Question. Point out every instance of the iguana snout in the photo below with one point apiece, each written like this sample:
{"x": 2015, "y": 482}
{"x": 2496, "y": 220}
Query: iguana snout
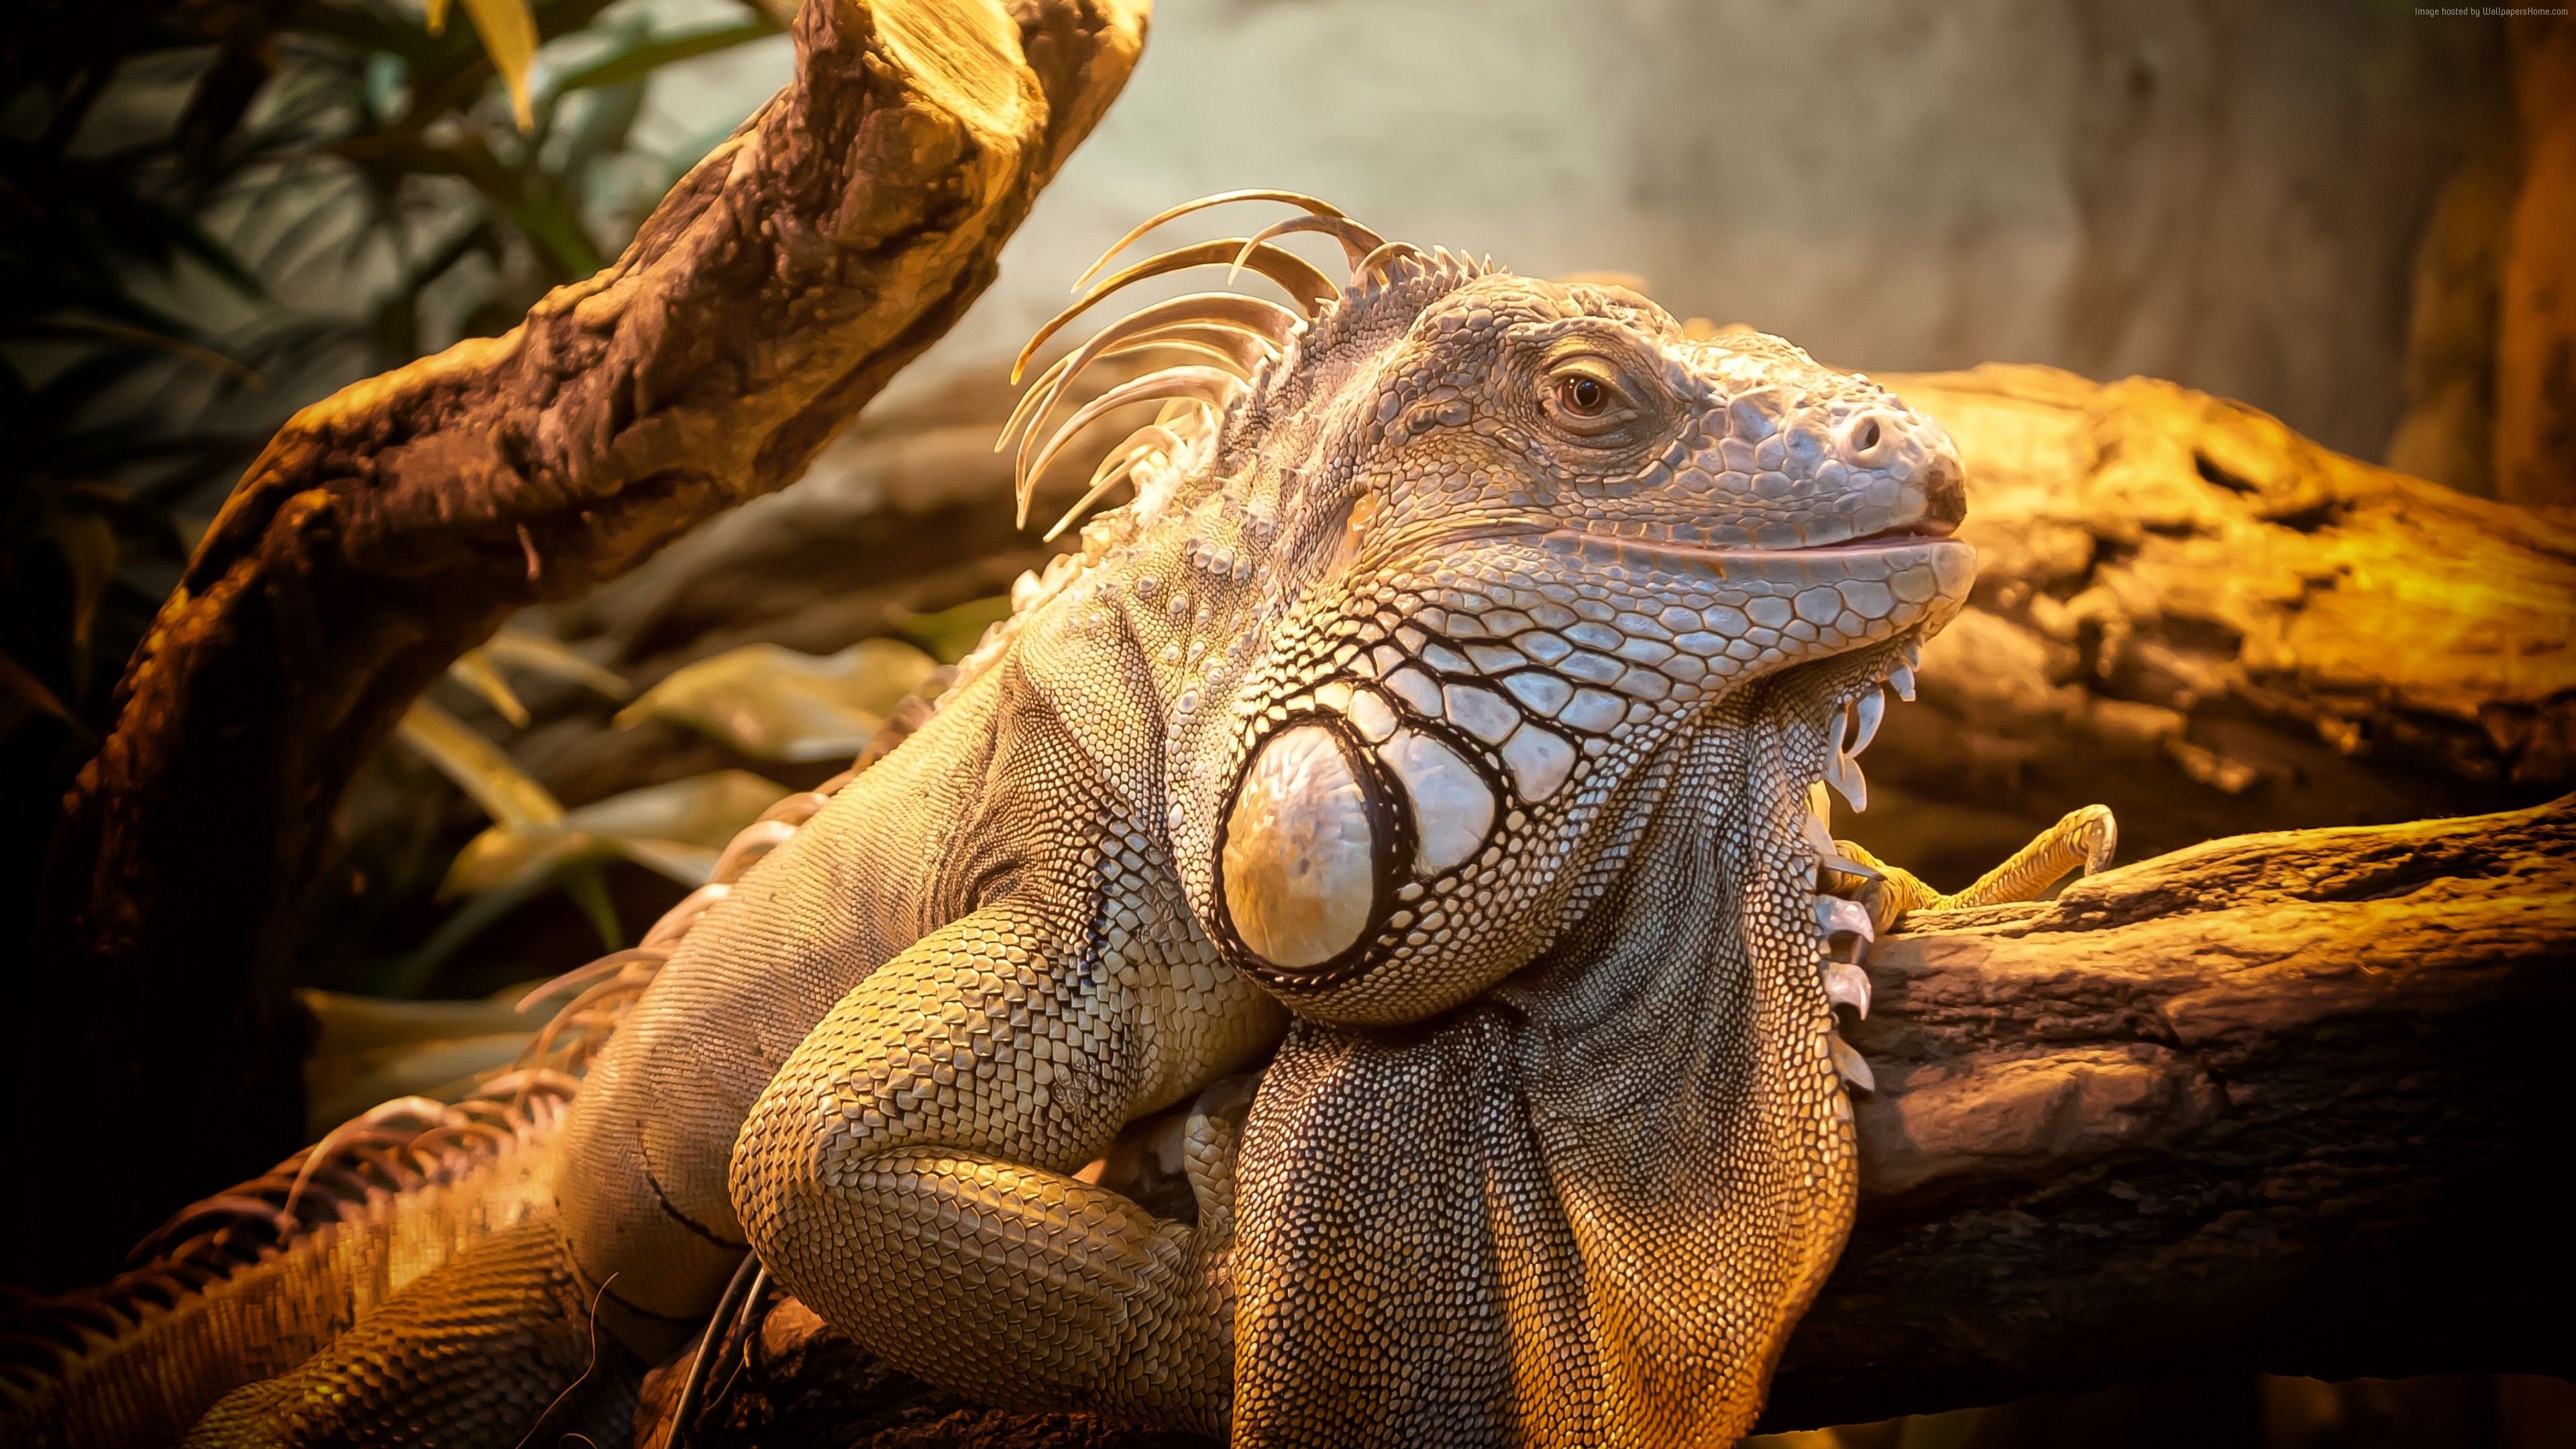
{"x": 1524, "y": 401}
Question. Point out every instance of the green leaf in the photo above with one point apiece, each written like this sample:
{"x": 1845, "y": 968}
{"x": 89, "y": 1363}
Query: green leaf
{"x": 367, "y": 31}
{"x": 676, "y": 829}
{"x": 478, "y": 767}
{"x": 509, "y": 32}
{"x": 407, "y": 975}
{"x": 474, "y": 670}
{"x": 778, "y": 704}
{"x": 636, "y": 61}
{"x": 478, "y": 670}
{"x": 444, "y": 1071}
{"x": 588, "y": 887}
{"x": 549, "y": 656}
{"x": 87, "y": 542}
{"x": 90, "y": 330}
{"x": 351, "y": 1024}
{"x": 702, "y": 810}
{"x": 23, "y": 695}
{"x": 371, "y": 1049}
{"x": 954, "y": 632}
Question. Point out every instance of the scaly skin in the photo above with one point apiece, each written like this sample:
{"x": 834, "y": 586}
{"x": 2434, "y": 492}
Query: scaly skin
{"x": 240, "y": 1289}
{"x": 1443, "y": 714}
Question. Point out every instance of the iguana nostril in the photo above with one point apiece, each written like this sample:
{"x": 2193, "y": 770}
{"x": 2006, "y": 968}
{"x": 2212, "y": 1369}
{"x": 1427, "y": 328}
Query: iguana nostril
{"x": 1867, "y": 440}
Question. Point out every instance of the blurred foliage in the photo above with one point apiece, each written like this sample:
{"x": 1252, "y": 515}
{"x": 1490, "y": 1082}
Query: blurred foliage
{"x": 951, "y": 633}
{"x": 795, "y": 707}
{"x": 675, "y": 799}
{"x": 759, "y": 702}
{"x": 777, "y": 704}
{"x": 479, "y": 767}
{"x": 214, "y": 211}
{"x": 676, "y": 829}
{"x": 814, "y": 712}
{"x": 372, "y": 1050}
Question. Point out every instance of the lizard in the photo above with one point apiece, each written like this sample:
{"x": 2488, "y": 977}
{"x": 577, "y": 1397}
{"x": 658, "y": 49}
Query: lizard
{"x": 1414, "y": 790}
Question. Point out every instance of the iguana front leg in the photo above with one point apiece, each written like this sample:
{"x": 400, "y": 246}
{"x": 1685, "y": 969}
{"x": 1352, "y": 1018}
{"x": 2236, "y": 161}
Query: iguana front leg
{"x": 1862, "y": 896}
{"x": 911, "y": 1165}
{"x": 1860, "y": 903}
{"x": 2083, "y": 840}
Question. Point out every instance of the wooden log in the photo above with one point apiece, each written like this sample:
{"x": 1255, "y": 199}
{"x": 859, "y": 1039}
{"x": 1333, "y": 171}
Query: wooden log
{"x": 2279, "y": 1103}
{"x": 2188, "y": 612}
{"x": 392, "y": 526}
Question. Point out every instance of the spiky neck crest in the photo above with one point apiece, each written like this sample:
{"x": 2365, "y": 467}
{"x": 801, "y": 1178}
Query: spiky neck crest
{"x": 1256, "y": 384}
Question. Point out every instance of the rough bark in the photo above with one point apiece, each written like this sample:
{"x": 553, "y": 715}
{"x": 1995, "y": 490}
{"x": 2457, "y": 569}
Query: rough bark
{"x": 2272, "y": 1104}
{"x": 394, "y": 525}
{"x": 2275, "y": 1103}
{"x": 2190, "y": 613}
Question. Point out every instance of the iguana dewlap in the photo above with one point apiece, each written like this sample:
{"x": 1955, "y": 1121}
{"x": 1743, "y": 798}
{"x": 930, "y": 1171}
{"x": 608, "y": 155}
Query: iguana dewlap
{"x": 1445, "y": 715}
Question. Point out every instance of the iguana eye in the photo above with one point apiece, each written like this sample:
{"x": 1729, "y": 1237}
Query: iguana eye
{"x": 1586, "y": 398}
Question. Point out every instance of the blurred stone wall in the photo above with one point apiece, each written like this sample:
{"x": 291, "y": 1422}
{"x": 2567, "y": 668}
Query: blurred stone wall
{"x": 2228, "y": 193}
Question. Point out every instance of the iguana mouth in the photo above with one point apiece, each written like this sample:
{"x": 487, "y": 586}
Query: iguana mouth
{"x": 1942, "y": 564}
{"x": 1920, "y": 529}
{"x": 1674, "y": 539}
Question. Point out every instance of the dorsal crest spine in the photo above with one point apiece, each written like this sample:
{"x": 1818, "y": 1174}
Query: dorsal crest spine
{"x": 1241, "y": 359}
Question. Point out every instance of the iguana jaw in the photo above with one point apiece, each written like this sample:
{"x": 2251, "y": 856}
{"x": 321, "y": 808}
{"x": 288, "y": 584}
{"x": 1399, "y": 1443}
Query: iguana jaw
{"x": 1939, "y": 564}
{"x": 1484, "y": 735}
{"x": 1680, "y": 540}
{"x": 1637, "y": 1163}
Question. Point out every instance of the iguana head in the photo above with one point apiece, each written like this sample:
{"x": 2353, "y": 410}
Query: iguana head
{"x": 1501, "y": 635}
{"x": 1429, "y": 565}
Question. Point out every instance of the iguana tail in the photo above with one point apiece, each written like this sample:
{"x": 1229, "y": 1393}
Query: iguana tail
{"x": 477, "y": 1352}
{"x": 250, "y": 1286}
{"x": 259, "y": 1277}
{"x": 485, "y": 1332}
{"x": 411, "y": 1254}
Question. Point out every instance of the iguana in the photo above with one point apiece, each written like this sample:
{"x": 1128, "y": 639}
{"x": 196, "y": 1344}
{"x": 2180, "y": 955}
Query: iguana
{"x": 1439, "y": 732}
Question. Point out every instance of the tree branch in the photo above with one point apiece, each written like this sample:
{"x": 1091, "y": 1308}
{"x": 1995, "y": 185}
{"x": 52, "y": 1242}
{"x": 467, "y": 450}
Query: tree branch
{"x": 394, "y": 525}
{"x": 2188, "y": 612}
{"x": 2276, "y": 1103}
{"x": 2280, "y": 1102}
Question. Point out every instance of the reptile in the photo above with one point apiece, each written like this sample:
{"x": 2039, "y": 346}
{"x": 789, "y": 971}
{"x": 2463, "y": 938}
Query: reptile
{"x": 1409, "y": 803}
